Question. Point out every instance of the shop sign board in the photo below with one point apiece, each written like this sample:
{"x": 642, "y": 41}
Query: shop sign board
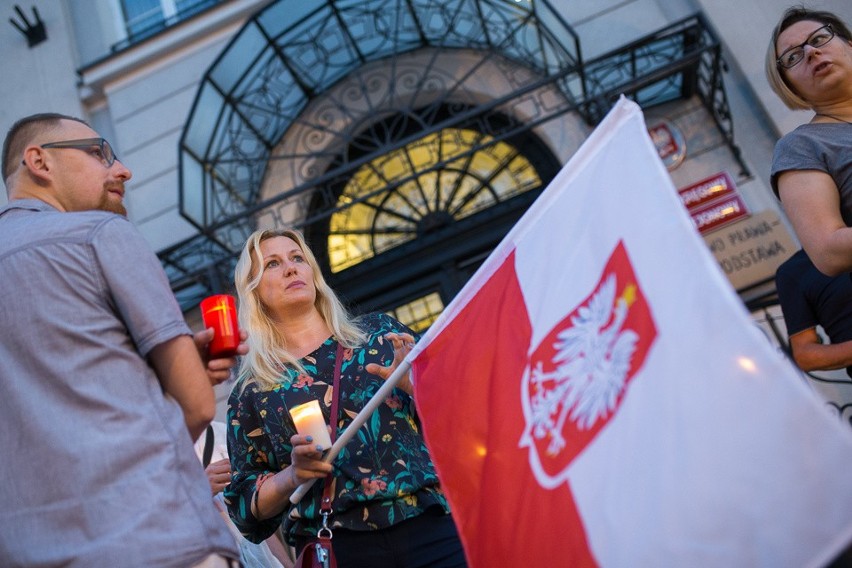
{"x": 750, "y": 250}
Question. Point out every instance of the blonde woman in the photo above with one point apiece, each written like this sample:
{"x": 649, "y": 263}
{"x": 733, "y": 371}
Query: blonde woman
{"x": 388, "y": 507}
{"x": 809, "y": 66}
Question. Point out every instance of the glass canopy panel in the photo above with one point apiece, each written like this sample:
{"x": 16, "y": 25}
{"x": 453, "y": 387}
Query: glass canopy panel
{"x": 503, "y": 20}
{"x": 270, "y": 98}
{"x": 452, "y": 25}
{"x": 425, "y": 185}
{"x": 286, "y": 14}
{"x": 233, "y": 164}
{"x": 241, "y": 56}
{"x": 192, "y": 176}
{"x": 320, "y": 51}
{"x": 380, "y": 28}
{"x": 206, "y": 114}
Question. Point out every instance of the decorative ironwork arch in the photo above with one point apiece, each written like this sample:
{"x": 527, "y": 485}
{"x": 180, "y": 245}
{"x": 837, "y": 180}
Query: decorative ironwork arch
{"x": 307, "y": 71}
{"x": 290, "y": 54}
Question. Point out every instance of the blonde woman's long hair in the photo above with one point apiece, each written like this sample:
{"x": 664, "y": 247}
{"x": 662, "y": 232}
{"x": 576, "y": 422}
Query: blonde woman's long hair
{"x": 268, "y": 359}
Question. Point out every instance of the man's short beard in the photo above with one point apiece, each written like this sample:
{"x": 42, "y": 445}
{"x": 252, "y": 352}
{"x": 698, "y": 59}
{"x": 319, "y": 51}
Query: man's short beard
{"x": 112, "y": 207}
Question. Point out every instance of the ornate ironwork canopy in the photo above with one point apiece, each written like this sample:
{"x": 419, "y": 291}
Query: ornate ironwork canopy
{"x": 292, "y": 53}
{"x": 312, "y": 99}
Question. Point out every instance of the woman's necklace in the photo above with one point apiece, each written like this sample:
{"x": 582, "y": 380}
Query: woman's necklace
{"x": 822, "y": 114}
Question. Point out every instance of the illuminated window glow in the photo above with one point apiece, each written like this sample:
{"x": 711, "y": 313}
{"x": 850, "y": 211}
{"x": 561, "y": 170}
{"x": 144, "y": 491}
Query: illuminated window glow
{"x": 424, "y": 186}
{"x": 419, "y": 314}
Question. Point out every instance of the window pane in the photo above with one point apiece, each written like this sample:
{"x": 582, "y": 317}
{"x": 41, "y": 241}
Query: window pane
{"x": 142, "y": 15}
{"x": 420, "y": 313}
{"x": 144, "y": 18}
{"x": 186, "y": 8}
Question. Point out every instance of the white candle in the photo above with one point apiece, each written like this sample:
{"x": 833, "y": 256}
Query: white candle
{"x": 310, "y": 422}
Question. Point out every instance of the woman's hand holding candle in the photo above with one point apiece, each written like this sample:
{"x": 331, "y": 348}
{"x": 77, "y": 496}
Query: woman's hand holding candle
{"x": 309, "y": 421}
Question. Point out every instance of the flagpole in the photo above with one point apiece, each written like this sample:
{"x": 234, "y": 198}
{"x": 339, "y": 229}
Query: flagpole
{"x": 355, "y": 425}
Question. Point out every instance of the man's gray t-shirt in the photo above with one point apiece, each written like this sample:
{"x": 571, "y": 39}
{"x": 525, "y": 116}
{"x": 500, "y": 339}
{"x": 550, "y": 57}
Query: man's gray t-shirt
{"x": 98, "y": 466}
{"x": 824, "y": 147}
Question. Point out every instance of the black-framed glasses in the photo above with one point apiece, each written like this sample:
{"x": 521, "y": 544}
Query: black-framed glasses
{"x": 104, "y": 150}
{"x": 793, "y": 55}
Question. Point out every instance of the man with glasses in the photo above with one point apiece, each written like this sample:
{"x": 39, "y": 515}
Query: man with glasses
{"x": 102, "y": 386}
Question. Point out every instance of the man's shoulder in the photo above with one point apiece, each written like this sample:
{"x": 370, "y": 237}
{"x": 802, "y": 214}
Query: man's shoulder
{"x": 27, "y": 224}
{"x": 94, "y": 227}
{"x": 39, "y": 211}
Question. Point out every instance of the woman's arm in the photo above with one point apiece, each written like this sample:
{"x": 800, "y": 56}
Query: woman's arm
{"x": 811, "y": 201}
{"x": 252, "y": 460}
{"x": 261, "y": 482}
{"x": 272, "y": 496}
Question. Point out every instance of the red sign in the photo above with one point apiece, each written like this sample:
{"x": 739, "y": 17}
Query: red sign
{"x": 707, "y": 190}
{"x": 718, "y": 214}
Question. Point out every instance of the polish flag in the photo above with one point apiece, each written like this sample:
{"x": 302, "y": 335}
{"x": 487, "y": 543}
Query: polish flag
{"x": 597, "y": 395}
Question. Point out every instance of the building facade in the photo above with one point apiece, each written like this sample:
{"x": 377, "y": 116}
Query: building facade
{"x": 405, "y": 138}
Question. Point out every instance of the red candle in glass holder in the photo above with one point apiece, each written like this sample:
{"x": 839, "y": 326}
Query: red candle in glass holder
{"x": 220, "y": 313}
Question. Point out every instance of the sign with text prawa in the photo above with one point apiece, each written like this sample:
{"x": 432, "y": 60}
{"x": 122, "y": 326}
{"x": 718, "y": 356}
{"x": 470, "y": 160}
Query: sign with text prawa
{"x": 751, "y": 250}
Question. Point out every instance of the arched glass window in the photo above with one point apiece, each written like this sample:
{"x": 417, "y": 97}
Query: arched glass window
{"x": 421, "y": 187}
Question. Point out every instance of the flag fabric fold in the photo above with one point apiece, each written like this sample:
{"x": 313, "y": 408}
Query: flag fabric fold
{"x": 597, "y": 395}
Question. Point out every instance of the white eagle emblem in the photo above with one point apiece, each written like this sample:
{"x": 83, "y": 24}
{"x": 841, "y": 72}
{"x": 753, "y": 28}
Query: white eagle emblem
{"x": 592, "y": 362}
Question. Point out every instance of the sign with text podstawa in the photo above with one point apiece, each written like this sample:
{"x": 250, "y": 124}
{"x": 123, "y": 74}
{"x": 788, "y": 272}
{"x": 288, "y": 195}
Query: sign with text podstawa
{"x": 751, "y": 250}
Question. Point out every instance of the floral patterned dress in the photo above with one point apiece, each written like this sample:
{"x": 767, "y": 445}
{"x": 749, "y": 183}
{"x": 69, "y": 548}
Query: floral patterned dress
{"x": 383, "y": 476}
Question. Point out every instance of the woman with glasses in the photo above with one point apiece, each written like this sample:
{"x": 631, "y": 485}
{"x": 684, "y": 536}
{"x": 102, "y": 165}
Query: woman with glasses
{"x": 809, "y": 66}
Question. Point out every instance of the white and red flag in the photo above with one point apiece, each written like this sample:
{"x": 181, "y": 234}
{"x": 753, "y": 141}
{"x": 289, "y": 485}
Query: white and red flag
{"x": 597, "y": 395}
